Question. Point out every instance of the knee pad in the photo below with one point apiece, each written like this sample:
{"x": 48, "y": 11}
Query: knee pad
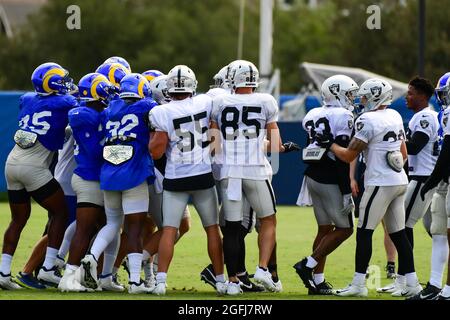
{"x": 438, "y": 215}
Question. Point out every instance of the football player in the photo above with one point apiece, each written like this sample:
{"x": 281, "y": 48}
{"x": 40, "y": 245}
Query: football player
{"x": 241, "y": 122}
{"x": 441, "y": 172}
{"x": 380, "y": 135}
{"x": 327, "y": 179}
{"x": 124, "y": 177}
{"x": 423, "y": 149}
{"x": 86, "y": 124}
{"x": 181, "y": 133}
{"x": 42, "y": 122}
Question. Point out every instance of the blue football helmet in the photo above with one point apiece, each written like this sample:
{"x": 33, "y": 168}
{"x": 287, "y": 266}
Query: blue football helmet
{"x": 134, "y": 85}
{"x": 114, "y": 72}
{"x": 442, "y": 90}
{"x": 95, "y": 87}
{"x": 51, "y": 78}
{"x": 152, "y": 74}
{"x": 120, "y": 60}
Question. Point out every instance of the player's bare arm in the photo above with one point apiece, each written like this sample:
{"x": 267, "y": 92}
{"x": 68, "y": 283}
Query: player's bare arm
{"x": 214, "y": 137}
{"x": 404, "y": 151}
{"x": 158, "y": 144}
{"x": 274, "y": 137}
{"x": 349, "y": 154}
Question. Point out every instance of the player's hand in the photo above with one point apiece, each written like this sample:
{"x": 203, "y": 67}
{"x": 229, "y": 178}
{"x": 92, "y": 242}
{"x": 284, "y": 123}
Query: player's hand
{"x": 354, "y": 187}
{"x": 429, "y": 184}
{"x": 349, "y": 205}
{"x": 290, "y": 146}
{"x": 325, "y": 140}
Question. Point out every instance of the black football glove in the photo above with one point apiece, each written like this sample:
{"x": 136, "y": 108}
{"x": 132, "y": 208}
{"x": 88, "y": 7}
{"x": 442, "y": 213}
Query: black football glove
{"x": 291, "y": 146}
{"x": 325, "y": 140}
{"x": 429, "y": 184}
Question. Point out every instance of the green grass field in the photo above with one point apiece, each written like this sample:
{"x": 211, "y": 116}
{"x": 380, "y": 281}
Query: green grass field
{"x": 295, "y": 234}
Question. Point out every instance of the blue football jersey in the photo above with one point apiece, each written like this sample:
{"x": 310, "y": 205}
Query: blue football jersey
{"x": 126, "y": 124}
{"x": 46, "y": 116}
{"x": 86, "y": 124}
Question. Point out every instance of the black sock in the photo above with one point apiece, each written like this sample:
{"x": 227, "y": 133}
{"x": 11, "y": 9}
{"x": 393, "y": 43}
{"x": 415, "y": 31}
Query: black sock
{"x": 241, "y": 259}
{"x": 231, "y": 247}
{"x": 410, "y": 236}
{"x": 405, "y": 252}
{"x": 363, "y": 249}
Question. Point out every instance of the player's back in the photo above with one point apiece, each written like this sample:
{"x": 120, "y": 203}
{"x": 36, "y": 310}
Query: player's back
{"x": 42, "y": 123}
{"x": 186, "y": 123}
{"x": 127, "y": 135}
{"x": 242, "y": 120}
{"x": 383, "y": 131}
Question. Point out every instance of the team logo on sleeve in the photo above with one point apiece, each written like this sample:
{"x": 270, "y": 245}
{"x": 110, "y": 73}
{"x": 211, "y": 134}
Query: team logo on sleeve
{"x": 350, "y": 124}
{"x": 359, "y": 126}
{"x": 334, "y": 89}
{"x": 376, "y": 91}
{"x": 424, "y": 124}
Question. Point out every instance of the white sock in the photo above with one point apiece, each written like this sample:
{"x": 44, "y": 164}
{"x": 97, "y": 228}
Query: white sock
{"x": 108, "y": 233}
{"x": 401, "y": 280}
{"x": 71, "y": 267}
{"x": 5, "y": 266}
{"x": 220, "y": 278}
{"x": 446, "y": 291}
{"x": 359, "y": 279}
{"x": 311, "y": 263}
{"x": 110, "y": 255}
{"x": 319, "y": 278}
{"x": 145, "y": 255}
{"x": 68, "y": 235}
{"x": 135, "y": 262}
{"x": 147, "y": 266}
{"x": 411, "y": 279}
{"x": 161, "y": 277}
{"x": 439, "y": 257}
{"x": 50, "y": 258}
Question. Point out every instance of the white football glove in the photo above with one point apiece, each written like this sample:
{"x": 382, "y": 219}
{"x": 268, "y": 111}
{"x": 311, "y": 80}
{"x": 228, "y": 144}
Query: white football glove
{"x": 348, "y": 203}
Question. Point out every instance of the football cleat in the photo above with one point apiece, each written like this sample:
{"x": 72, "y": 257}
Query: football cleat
{"x": 70, "y": 282}
{"x": 7, "y": 283}
{"x": 207, "y": 276}
{"x": 50, "y": 277}
{"x": 429, "y": 293}
{"x": 60, "y": 263}
{"x": 324, "y": 288}
{"x": 305, "y": 273}
{"x": 89, "y": 265}
{"x": 136, "y": 288}
{"x": 106, "y": 283}
{"x": 221, "y": 288}
{"x": 150, "y": 281}
{"x": 248, "y": 286}
{"x": 391, "y": 287}
{"x": 442, "y": 297}
{"x": 408, "y": 291}
{"x": 352, "y": 291}
{"x": 233, "y": 289}
{"x": 278, "y": 286}
{"x": 29, "y": 282}
{"x": 160, "y": 289}
{"x": 264, "y": 278}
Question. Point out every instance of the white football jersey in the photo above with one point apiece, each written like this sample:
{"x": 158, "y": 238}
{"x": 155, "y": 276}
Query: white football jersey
{"x": 383, "y": 131}
{"x": 66, "y": 164}
{"x": 186, "y": 123}
{"x": 445, "y": 121}
{"x": 242, "y": 120}
{"x": 423, "y": 163}
{"x": 214, "y": 92}
{"x": 335, "y": 120}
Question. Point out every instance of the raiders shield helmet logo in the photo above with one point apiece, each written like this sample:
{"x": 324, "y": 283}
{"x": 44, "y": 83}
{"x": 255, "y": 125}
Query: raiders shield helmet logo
{"x": 376, "y": 91}
{"x": 334, "y": 89}
{"x": 350, "y": 124}
{"x": 424, "y": 124}
{"x": 359, "y": 126}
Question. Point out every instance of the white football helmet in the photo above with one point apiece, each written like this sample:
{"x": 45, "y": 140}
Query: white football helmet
{"x": 158, "y": 87}
{"x": 181, "y": 79}
{"x": 243, "y": 74}
{"x": 339, "y": 90}
{"x": 221, "y": 79}
{"x": 374, "y": 93}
